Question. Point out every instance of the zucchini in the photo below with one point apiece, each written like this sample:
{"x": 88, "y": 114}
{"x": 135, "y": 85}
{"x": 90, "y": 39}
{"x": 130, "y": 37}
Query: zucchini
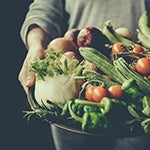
{"x": 127, "y": 73}
{"x": 91, "y": 75}
{"x": 114, "y": 37}
{"x": 100, "y": 61}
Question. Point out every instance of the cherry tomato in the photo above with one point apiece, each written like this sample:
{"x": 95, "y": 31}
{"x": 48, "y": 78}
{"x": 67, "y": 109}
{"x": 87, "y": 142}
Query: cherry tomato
{"x": 117, "y": 48}
{"x": 138, "y": 49}
{"x": 99, "y": 93}
{"x": 115, "y": 91}
{"x": 143, "y": 66}
{"x": 89, "y": 92}
{"x": 95, "y": 93}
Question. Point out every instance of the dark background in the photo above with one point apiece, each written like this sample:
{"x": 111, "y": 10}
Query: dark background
{"x": 15, "y": 132}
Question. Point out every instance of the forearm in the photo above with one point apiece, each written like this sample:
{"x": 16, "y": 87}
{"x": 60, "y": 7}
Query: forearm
{"x": 47, "y": 14}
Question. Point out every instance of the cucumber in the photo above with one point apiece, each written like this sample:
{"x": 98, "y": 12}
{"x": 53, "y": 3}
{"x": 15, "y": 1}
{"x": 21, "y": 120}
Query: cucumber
{"x": 126, "y": 72}
{"x": 109, "y": 34}
{"x": 114, "y": 37}
{"x": 143, "y": 25}
{"x": 100, "y": 61}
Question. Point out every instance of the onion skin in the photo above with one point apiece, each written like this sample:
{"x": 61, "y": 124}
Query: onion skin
{"x": 72, "y": 35}
{"x": 62, "y": 44}
{"x": 124, "y": 32}
{"x": 56, "y": 89}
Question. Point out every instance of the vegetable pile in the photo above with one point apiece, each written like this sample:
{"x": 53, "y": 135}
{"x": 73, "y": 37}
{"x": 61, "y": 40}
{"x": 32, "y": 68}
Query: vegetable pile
{"x": 99, "y": 82}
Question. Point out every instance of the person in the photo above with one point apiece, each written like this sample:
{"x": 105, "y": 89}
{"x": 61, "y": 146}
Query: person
{"x": 49, "y": 19}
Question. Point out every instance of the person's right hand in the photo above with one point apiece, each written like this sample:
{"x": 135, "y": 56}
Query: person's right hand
{"x": 28, "y": 79}
{"x": 37, "y": 41}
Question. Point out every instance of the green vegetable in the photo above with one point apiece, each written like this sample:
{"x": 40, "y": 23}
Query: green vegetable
{"x": 146, "y": 105}
{"x": 85, "y": 121}
{"x": 65, "y": 111}
{"x": 142, "y": 38}
{"x": 113, "y": 36}
{"x": 94, "y": 76}
{"x": 93, "y": 121}
{"x": 101, "y": 61}
{"x": 143, "y": 25}
{"x": 108, "y": 32}
{"x": 76, "y": 117}
{"x": 107, "y": 105}
{"x": 90, "y": 109}
{"x": 92, "y": 116}
{"x": 131, "y": 88}
{"x": 123, "y": 70}
{"x": 104, "y": 105}
{"x": 146, "y": 125}
{"x": 56, "y": 82}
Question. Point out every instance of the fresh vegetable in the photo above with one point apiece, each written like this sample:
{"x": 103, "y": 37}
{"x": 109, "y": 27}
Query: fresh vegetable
{"x": 92, "y": 37}
{"x": 54, "y": 82}
{"x": 95, "y": 93}
{"x": 115, "y": 91}
{"x": 146, "y": 105}
{"x": 109, "y": 33}
{"x": 143, "y": 66}
{"x": 62, "y": 45}
{"x": 89, "y": 92}
{"x": 113, "y": 36}
{"x": 112, "y": 98}
{"x": 124, "y": 32}
{"x": 143, "y": 39}
{"x": 144, "y": 30}
{"x": 117, "y": 48}
{"x": 72, "y": 35}
{"x": 91, "y": 119}
{"x": 101, "y": 61}
{"x": 143, "y": 24}
{"x": 99, "y": 93}
{"x": 138, "y": 48}
{"x": 94, "y": 76}
{"x": 130, "y": 87}
{"x": 124, "y": 71}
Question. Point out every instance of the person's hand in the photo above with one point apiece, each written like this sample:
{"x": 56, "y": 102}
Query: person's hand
{"x": 27, "y": 79}
{"x": 37, "y": 41}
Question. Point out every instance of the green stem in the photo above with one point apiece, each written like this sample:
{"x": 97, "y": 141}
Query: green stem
{"x": 84, "y": 102}
{"x": 73, "y": 114}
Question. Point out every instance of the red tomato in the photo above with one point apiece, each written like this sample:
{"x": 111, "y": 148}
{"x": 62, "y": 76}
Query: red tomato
{"x": 143, "y": 66}
{"x": 117, "y": 48}
{"x": 89, "y": 92}
{"x": 138, "y": 49}
{"x": 99, "y": 93}
{"x": 95, "y": 93}
{"x": 115, "y": 91}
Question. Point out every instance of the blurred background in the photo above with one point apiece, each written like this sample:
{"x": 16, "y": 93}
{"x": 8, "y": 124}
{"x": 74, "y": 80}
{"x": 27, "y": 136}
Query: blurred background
{"x": 15, "y": 132}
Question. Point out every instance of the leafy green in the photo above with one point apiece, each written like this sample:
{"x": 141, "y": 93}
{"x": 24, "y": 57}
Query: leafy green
{"x": 146, "y": 105}
{"x": 52, "y": 66}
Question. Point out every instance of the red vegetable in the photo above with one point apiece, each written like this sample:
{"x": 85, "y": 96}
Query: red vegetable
{"x": 143, "y": 66}
{"x": 115, "y": 91}
{"x": 95, "y": 93}
{"x": 138, "y": 49}
{"x": 117, "y": 48}
{"x": 89, "y": 92}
